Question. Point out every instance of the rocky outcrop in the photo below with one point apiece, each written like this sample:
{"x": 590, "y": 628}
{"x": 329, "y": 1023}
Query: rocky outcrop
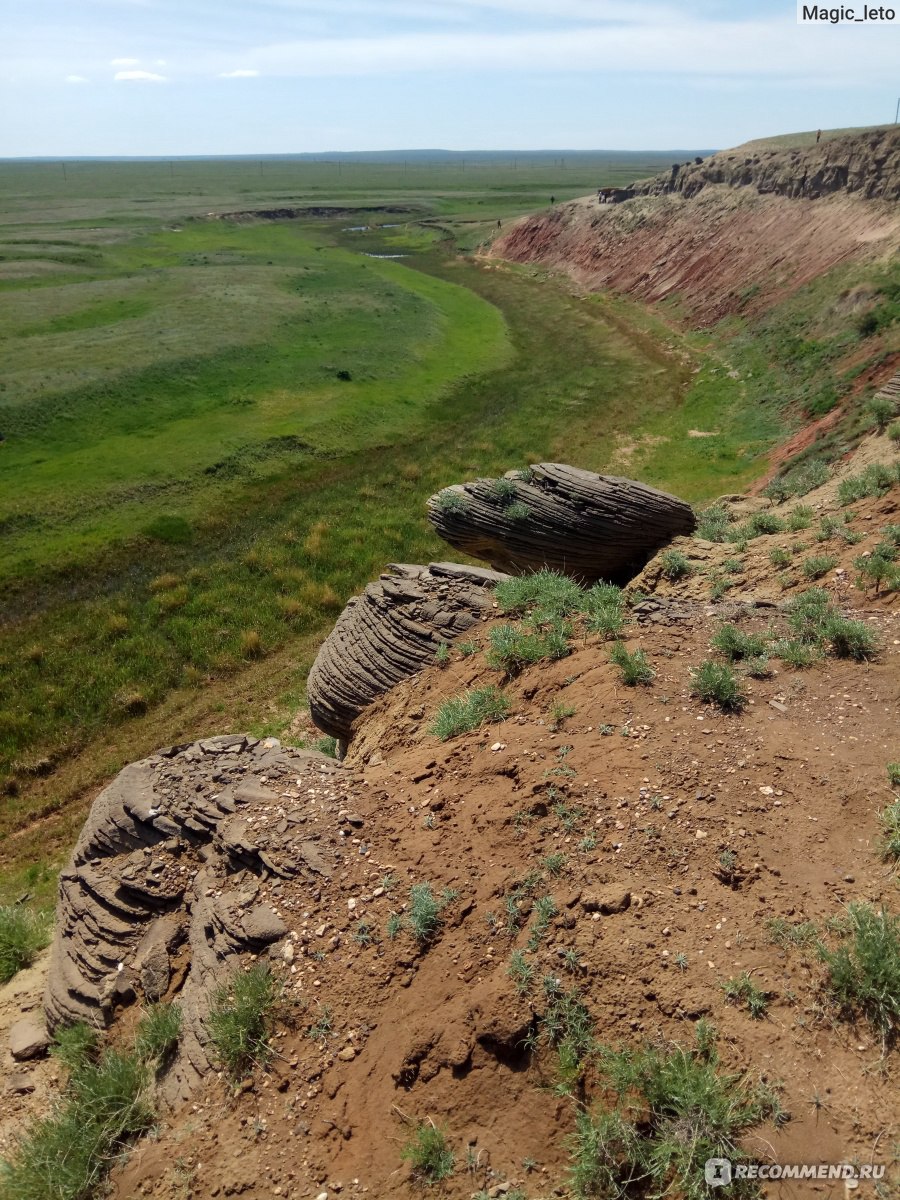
{"x": 864, "y": 164}
{"x": 551, "y": 515}
{"x": 177, "y": 873}
{"x": 388, "y": 633}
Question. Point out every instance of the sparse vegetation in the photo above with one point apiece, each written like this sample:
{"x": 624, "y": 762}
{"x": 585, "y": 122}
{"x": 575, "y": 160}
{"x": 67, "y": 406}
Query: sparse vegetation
{"x": 890, "y": 824}
{"x": 240, "y": 1020}
{"x": 864, "y": 969}
{"x": 741, "y": 990}
{"x": 560, "y": 713}
{"x": 461, "y": 714}
{"x": 428, "y": 1153}
{"x": 634, "y": 667}
{"x": 107, "y": 1101}
{"x": 670, "y": 1110}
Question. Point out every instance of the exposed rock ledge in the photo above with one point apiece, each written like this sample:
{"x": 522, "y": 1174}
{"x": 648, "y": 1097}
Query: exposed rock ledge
{"x": 170, "y": 879}
{"x": 389, "y": 632}
{"x": 585, "y": 525}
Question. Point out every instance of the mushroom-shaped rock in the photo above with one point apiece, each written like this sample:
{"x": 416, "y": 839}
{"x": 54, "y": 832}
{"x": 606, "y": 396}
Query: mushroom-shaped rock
{"x": 551, "y": 515}
{"x": 391, "y": 631}
{"x": 180, "y": 869}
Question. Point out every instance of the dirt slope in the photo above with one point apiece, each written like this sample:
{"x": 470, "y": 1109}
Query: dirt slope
{"x": 639, "y": 792}
{"x": 738, "y": 231}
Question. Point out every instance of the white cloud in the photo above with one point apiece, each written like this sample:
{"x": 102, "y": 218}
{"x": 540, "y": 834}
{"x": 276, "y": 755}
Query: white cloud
{"x": 76, "y": 79}
{"x": 124, "y": 62}
{"x": 242, "y": 73}
{"x": 138, "y": 77}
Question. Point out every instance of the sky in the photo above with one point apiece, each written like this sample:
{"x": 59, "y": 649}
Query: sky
{"x": 182, "y": 77}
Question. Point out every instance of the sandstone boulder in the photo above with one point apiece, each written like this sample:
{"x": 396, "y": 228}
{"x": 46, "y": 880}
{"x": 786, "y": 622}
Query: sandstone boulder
{"x": 389, "y": 632}
{"x": 551, "y": 515}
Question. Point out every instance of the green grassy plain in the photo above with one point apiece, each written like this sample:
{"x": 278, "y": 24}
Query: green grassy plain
{"x": 217, "y": 430}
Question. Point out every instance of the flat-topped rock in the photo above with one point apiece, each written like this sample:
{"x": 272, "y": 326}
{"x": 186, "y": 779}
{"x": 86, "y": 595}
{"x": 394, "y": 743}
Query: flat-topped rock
{"x": 551, "y": 515}
{"x": 390, "y": 632}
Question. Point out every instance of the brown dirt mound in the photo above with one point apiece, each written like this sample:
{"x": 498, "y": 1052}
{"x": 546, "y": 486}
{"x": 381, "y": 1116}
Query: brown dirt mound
{"x": 639, "y": 791}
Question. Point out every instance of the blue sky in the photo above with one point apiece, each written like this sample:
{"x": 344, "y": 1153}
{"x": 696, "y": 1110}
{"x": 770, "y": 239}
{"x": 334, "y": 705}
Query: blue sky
{"x": 279, "y": 76}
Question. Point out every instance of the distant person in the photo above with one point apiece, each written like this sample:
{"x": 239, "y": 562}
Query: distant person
{"x": 818, "y": 136}
{"x": 498, "y": 222}
{"x": 552, "y": 199}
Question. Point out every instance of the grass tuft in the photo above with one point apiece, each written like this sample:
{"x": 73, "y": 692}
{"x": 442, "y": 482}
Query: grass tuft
{"x": 23, "y": 935}
{"x": 240, "y": 1018}
{"x": 634, "y": 666}
{"x": 428, "y": 1153}
{"x": 864, "y": 971}
{"x": 670, "y": 1110}
{"x": 715, "y": 683}
{"x": 461, "y": 714}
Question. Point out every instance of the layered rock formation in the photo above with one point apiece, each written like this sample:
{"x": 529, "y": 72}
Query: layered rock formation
{"x": 585, "y": 525}
{"x": 865, "y": 164}
{"x": 388, "y": 633}
{"x": 178, "y": 871}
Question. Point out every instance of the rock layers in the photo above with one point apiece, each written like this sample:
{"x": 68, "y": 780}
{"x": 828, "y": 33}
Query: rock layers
{"x": 178, "y": 871}
{"x": 389, "y": 632}
{"x": 587, "y": 526}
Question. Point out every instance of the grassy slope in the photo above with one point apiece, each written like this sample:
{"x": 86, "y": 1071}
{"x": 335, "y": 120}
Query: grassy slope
{"x": 150, "y": 601}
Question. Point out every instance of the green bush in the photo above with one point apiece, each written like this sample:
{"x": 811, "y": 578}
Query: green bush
{"x": 864, "y": 971}
{"x": 634, "y": 666}
{"x": 503, "y": 491}
{"x": 764, "y": 522}
{"x": 23, "y": 935}
{"x": 428, "y": 1153}
{"x": 239, "y": 1022}
{"x": 779, "y": 557}
{"x": 424, "y": 917}
{"x": 674, "y": 565}
{"x": 893, "y": 774}
{"x": 669, "y": 1111}
{"x": 851, "y": 639}
{"x": 461, "y": 714}
{"x": 513, "y": 647}
{"x": 794, "y": 654}
{"x": 715, "y": 683}
{"x": 818, "y": 565}
{"x": 158, "y": 1032}
{"x": 799, "y": 518}
{"x": 808, "y": 615}
{"x": 450, "y": 502}
{"x": 546, "y": 594}
{"x": 881, "y": 411}
{"x": 873, "y": 480}
{"x": 712, "y": 523}
{"x": 736, "y": 645}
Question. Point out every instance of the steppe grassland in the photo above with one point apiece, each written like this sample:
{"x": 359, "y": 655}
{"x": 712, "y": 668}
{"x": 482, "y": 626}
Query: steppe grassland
{"x": 209, "y": 494}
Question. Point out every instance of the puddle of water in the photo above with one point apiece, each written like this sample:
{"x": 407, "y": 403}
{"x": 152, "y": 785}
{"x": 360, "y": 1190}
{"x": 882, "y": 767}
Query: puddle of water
{"x": 387, "y": 255}
{"x": 355, "y": 228}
